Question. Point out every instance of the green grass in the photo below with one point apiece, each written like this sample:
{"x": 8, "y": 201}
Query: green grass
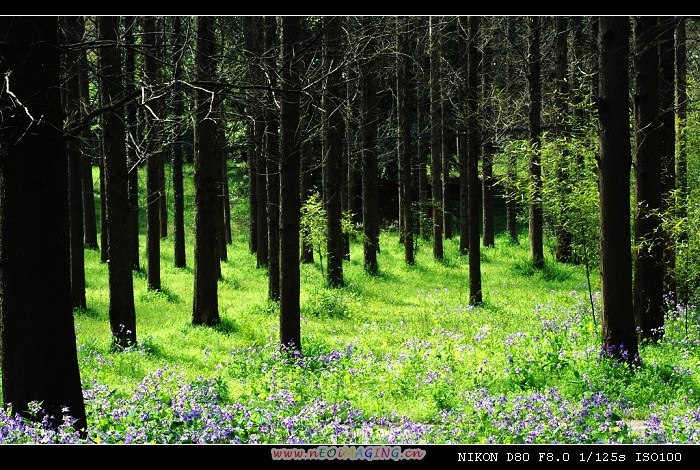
{"x": 407, "y": 343}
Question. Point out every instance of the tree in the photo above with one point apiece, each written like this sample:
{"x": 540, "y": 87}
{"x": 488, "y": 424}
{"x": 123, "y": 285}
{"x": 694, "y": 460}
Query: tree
{"x": 648, "y": 260}
{"x": 290, "y": 321}
{"x": 132, "y": 158}
{"x": 619, "y": 338}
{"x": 404, "y": 91}
{"x": 435, "y": 139}
{"x": 370, "y": 203}
{"x": 475, "y": 297}
{"x": 534, "y": 81}
{"x": 667, "y": 143}
{"x": 511, "y": 202}
{"x": 272, "y": 157}
{"x": 205, "y": 309}
{"x": 73, "y": 31}
{"x": 37, "y": 334}
{"x": 332, "y": 160}
{"x": 249, "y": 31}
{"x": 154, "y": 183}
{"x": 488, "y": 148}
{"x": 180, "y": 257}
{"x": 122, "y": 313}
{"x": 681, "y": 115}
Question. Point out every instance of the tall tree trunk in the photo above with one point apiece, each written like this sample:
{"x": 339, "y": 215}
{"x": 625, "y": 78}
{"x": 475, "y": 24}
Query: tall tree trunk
{"x": 73, "y": 28}
{"x": 122, "y": 313}
{"x": 488, "y": 150}
{"x": 681, "y": 116}
{"x": 250, "y": 25}
{"x": 561, "y": 97}
{"x": 534, "y": 80}
{"x": 205, "y": 309}
{"x": 648, "y": 261}
{"x": 290, "y": 322}
{"x": 334, "y": 130}
{"x": 462, "y": 143}
{"x": 667, "y": 144}
{"x": 347, "y": 160}
{"x": 272, "y": 157}
{"x": 90, "y": 222}
{"x": 475, "y": 297}
{"x": 619, "y": 338}
{"x": 180, "y": 257}
{"x": 104, "y": 233}
{"x": 227, "y": 197}
{"x": 220, "y": 175}
{"x": 37, "y": 334}
{"x": 404, "y": 91}
{"x": 370, "y": 202}
{"x": 512, "y": 170}
{"x": 446, "y": 133}
{"x": 435, "y": 140}
{"x": 132, "y": 158}
{"x": 307, "y": 251}
{"x": 152, "y": 42}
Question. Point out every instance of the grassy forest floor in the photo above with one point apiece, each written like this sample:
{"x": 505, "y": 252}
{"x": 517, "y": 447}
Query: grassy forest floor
{"x": 397, "y": 358}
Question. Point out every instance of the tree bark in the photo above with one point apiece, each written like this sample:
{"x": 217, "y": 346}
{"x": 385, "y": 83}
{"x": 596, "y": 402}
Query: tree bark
{"x": 205, "y": 305}
{"x": 132, "y": 158}
{"x": 122, "y": 313}
{"x": 180, "y": 257}
{"x": 475, "y": 297}
{"x": 534, "y": 80}
{"x": 73, "y": 29}
{"x": 37, "y": 334}
{"x": 290, "y": 322}
{"x": 249, "y": 30}
{"x": 619, "y": 338}
{"x": 648, "y": 260}
{"x": 561, "y": 97}
{"x": 104, "y": 233}
{"x": 488, "y": 150}
{"x": 404, "y": 91}
{"x": 512, "y": 170}
{"x": 435, "y": 140}
{"x": 90, "y": 221}
{"x": 334, "y": 130}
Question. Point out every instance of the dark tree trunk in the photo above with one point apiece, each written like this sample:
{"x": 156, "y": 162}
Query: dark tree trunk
{"x": 619, "y": 338}
{"x": 272, "y": 152}
{"x": 561, "y": 97}
{"x": 334, "y": 130}
{"x": 512, "y": 170}
{"x": 404, "y": 91}
{"x": 307, "y": 251}
{"x": 435, "y": 140}
{"x": 180, "y": 257}
{"x": 220, "y": 176}
{"x": 132, "y": 158}
{"x": 681, "y": 115}
{"x": 648, "y": 261}
{"x": 347, "y": 160}
{"x": 73, "y": 28}
{"x": 122, "y": 313}
{"x": 425, "y": 214}
{"x": 37, "y": 335}
{"x": 475, "y": 297}
{"x": 667, "y": 142}
{"x": 446, "y": 133}
{"x": 534, "y": 81}
{"x": 290, "y": 322}
{"x": 488, "y": 151}
{"x": 104, "y": 233}
{"x": 154, "y": 164}
{"x": 249, "y": 31}
{"x": 90, "y": 221}
{"x": 226, "y": 198}
{"x": 462, "y": 142}
{"x": 206, "y": 260}
{"x": 370, "y": 196}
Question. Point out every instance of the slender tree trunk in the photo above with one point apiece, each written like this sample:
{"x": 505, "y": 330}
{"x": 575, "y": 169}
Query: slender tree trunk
{"x": 435, "y": 140}
{"x": 561, "y": 97}
{"x": 619, "y": 338}
{"x": 290, "y": 322}
{"x": 425, "y": 215}
{"x": 132, "y": 158}
{"x": 227, "y": 198}
{"x": 667, "y": 144}
{"x": 445, "y": 132}
{"x": 488, "y": 151}
{"x": 334, "y": 130}
{"x": 307, "y": 250}
{"x": 73, "y": 28}
{"x": 648, "y": 261}
{"x": 370, "y": 202}
{"x": 37, "y": 334}
{"x": 154, "y": 164}
{"x": 512, "y": 170}
{"x": 475, "y": 297}
{"x": 104, "y": 233}
{"x": 346, "y": 162}
{"x": 534, "y": 80}
{"x": 273, "y": 158}
{"x": 249, "y": 30}
{"x": 206, "y": 304}
{"x": 404, "y": 91}
{"x": 220, "y": 175}
{"x": 90, "y": 222}
{"x": 122, "y": 313}
{"x": 462, "y": 142}
{"x": 180, "y": 257}
{"x": 681, "y": 116}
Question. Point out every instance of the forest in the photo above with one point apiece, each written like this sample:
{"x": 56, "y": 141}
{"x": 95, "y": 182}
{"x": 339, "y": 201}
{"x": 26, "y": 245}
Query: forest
{"x": 349, "y": 229}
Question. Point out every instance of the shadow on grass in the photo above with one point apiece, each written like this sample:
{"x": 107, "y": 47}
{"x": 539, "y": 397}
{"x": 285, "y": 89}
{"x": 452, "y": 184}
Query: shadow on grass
{"x": 87, "y": 312}
{"x": 227, "y": 326}
{"x": 551, "y": 272}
